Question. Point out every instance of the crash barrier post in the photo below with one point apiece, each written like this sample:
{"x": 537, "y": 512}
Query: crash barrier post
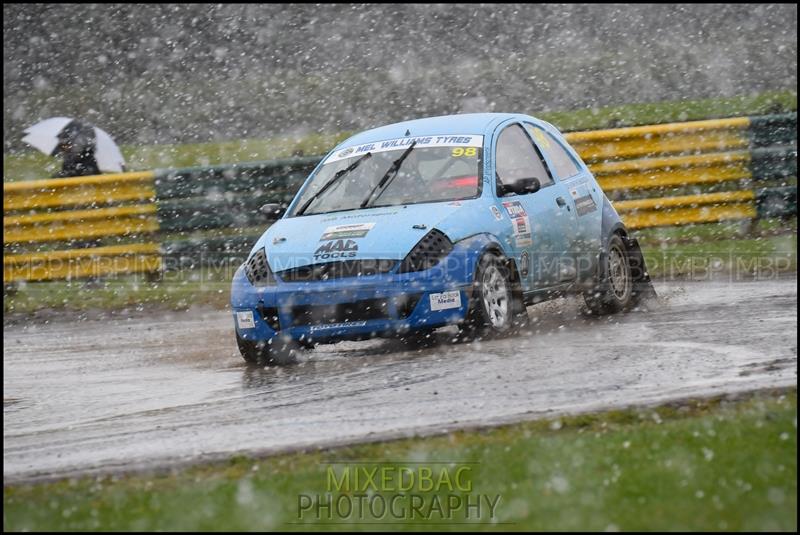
{"x": 80, "y": 227}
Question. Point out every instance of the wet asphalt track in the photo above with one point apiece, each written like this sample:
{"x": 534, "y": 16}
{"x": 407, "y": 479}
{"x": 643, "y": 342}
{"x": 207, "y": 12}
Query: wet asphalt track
{"x": 95, "y": 396}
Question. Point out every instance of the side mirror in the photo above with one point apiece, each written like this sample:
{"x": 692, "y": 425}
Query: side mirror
{"x": 272, "y": 209}
{"x": 522, "y": 186}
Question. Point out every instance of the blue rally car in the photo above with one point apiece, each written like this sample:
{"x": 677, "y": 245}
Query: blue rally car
{"x": 462, "y": 219}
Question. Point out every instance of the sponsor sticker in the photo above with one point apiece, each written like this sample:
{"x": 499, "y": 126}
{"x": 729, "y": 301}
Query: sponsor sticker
{"x": 370, "y": 215}
{"x": 458, "y": 140}
{"x": 446, "y": 300}
{"x": 337, "y": 326}
{"x": 521, "y": 225}
{"x": 584, "y": 202}
{"x": 346, "y": 152}
{"x": 245, "y": 320}
{"x": 496, "y": 212}
{"x": 353, "y": 230}
{"x": 336, "y": 249}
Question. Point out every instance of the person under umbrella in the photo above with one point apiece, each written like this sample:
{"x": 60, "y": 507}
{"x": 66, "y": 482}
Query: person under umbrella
{"x": 76, "y": 146}
{"x": 84, "y": 148}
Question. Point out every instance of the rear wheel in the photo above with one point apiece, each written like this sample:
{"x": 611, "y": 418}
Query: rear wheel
{"x": 277, "y": 352}
{"x": 613, "y": 292}
{"x": 496, "y": 306}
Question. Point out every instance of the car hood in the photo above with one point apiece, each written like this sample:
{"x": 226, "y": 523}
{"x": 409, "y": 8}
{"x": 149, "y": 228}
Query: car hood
{"x": 374, "y": 233}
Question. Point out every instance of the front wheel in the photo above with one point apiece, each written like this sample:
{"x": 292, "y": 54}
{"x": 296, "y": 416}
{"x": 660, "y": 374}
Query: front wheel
{"x": 277, "y": 352}
{"x": 496, "y": 306}
{"x": 614, "y": 291}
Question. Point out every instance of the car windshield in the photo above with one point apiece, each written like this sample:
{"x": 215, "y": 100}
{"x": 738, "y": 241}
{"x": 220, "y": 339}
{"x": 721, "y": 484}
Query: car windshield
{"x": 386, "y": 178}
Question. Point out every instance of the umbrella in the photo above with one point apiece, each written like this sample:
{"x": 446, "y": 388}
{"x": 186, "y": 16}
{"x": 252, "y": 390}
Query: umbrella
{"x": 48, "y": 134}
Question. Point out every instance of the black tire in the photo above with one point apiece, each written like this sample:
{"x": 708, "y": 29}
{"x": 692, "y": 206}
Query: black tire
{"x": 613, "y": 291}
{"x": 306, "y": 344}
{"x": 496, "y": 306}
{"x": 418, "y": 339}
{"x": 278, "y": 353}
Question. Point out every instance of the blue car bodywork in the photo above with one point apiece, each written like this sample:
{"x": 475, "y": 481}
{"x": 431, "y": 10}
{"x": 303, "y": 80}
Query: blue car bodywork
{"x": 554, "y": 239}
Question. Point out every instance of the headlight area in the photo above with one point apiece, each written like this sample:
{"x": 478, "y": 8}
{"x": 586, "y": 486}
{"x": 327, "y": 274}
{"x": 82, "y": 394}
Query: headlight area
{"x": 437, "y": 262}
{"x": 427, "y": 253}
{"x": 257, "y": 270}
{"x": 254, "y": 273}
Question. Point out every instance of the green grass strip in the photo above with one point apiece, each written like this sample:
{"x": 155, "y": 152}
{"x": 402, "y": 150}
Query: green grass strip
{"x": 699, "y": 465}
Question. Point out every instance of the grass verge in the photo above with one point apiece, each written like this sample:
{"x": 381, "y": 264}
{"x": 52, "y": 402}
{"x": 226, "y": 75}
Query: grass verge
{"x": 177, "y": 291}
{"x": 737, "y": 250}
{"x": 714, "y": 464}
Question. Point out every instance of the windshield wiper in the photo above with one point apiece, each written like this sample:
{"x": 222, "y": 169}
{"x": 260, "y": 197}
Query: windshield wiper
{"x": 339, "y": 174}
{"x": 388, "y": 177}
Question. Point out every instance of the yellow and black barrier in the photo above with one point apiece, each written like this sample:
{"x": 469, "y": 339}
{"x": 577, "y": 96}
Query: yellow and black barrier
{"x": 674, "y": 138}
{"x": 80, "y": 227}
{"x": 694, "y": 153}
{"x": 81, "y": 263}
{"x": 687, "y": 209}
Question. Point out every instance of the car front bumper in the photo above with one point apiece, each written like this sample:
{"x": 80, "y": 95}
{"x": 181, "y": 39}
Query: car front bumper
{"x": 358, "y": 307}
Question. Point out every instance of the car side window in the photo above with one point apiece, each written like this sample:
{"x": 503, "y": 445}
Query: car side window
{"x": 564, "y": 165}
{"x": 516, "y": 158}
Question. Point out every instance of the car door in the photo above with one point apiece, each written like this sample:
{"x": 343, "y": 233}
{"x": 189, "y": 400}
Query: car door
{"x": 542, "y": 223}
{"x": 583, "y": 196}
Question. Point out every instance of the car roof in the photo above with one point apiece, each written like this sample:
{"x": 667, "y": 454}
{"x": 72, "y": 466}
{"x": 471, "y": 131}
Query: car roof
{"x": 466, "y": 123}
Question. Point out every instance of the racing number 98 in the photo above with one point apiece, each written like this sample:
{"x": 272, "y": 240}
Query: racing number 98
{"x": 464, "y": 151}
